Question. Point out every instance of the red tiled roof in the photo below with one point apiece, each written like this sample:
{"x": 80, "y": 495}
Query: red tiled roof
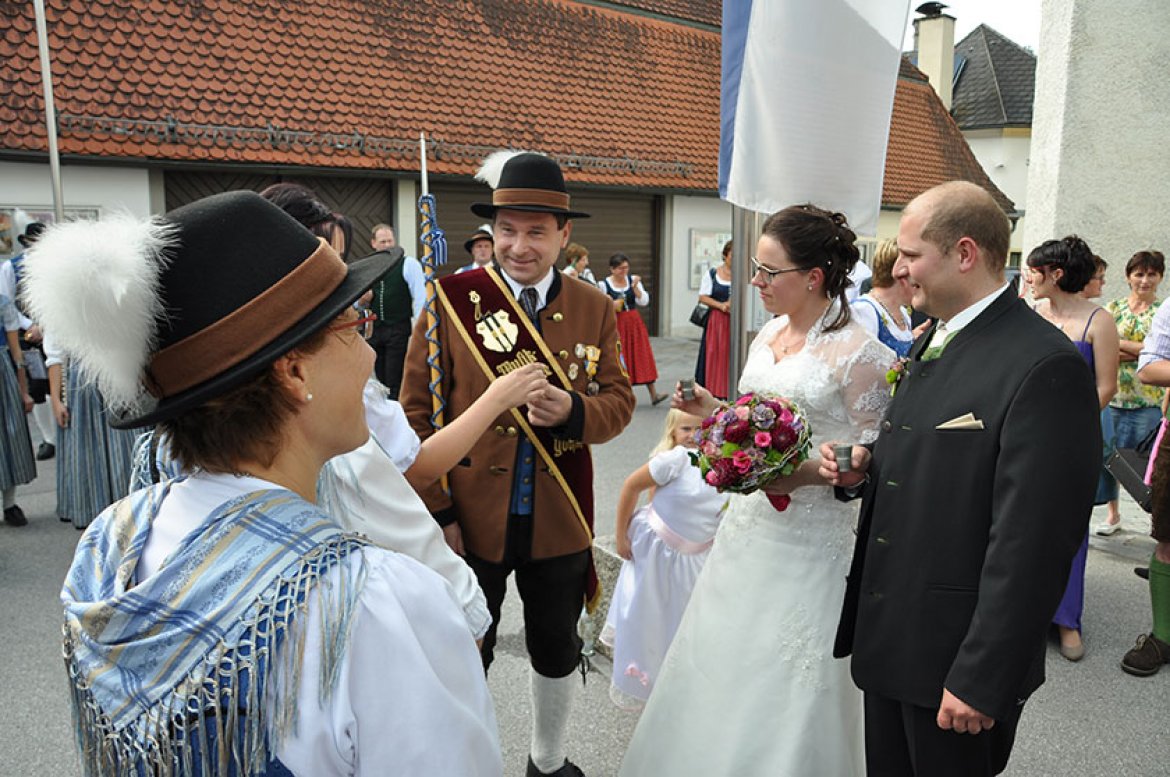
{"x": 552, "y": 75}
{"x": 926, "y": 147}
{"x": 626, "y": 99}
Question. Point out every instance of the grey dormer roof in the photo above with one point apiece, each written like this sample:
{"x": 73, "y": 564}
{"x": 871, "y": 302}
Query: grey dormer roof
{"x": 995, "y": 81}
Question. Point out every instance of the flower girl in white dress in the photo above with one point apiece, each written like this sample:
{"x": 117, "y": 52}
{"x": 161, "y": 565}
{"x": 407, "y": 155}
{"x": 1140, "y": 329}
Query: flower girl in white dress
{"x": 664, "y": 545}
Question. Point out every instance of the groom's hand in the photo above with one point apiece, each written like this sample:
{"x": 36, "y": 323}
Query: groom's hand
{"x": 956, "y": 715}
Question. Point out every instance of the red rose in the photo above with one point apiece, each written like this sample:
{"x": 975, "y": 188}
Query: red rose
{"x": 737, "y": 431}
{"x": 707, "y": 422}
{"x": 783, "y": 438}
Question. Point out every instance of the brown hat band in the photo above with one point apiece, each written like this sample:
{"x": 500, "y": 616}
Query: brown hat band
{"x": 248, "y": 328}
{"x": 544, "y": 198}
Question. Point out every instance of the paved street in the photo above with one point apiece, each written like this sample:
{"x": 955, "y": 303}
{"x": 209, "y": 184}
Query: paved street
{"x": 1089, "y": 719}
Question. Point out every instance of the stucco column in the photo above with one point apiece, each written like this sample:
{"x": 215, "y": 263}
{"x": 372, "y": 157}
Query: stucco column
{"x": 1099, "y": 163}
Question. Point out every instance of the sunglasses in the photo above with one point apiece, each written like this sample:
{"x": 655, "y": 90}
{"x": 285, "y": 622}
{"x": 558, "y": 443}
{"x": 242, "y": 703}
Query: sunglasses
{"x": 364, "y": 324}
{"x": 771, "y": 274}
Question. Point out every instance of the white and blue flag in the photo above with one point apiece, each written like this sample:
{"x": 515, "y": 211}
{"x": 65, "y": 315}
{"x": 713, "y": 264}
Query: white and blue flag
{"x": 808, "y": 88}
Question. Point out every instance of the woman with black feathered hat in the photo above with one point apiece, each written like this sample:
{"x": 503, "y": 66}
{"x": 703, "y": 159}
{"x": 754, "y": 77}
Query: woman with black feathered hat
{"x": 220, "y": 622}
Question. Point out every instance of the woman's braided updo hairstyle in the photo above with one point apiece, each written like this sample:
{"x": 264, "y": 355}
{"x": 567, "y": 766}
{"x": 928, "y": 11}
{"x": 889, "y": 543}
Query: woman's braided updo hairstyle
{"x": 817, "y": 238}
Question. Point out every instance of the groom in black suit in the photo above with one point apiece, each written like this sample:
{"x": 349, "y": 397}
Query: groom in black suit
{"x": 977, "y": 493}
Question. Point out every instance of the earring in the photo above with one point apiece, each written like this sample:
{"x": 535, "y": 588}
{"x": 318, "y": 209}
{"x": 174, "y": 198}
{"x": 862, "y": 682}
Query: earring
{"x": 810, "y": 287}
{"x": 308, "y": 397}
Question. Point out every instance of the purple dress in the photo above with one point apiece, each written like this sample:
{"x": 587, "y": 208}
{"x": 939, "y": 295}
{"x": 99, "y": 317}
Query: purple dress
{"x": 1072, "y": 604}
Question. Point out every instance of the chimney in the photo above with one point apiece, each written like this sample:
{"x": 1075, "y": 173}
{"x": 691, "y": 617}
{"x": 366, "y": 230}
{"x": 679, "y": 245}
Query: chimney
{"x": 934, "y": 39}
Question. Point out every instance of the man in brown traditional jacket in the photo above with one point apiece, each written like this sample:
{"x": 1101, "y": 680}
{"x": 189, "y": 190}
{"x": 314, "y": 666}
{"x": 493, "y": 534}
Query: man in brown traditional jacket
{"x": 522, "y": 500}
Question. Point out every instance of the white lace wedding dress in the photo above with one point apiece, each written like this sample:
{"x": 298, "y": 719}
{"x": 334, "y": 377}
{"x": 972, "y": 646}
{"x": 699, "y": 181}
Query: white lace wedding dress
{"x": 750, "y": 686}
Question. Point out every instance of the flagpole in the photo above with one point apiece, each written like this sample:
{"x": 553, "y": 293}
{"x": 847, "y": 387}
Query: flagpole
{"x": 745, "y": 231}
{"x": 50, "y": 110}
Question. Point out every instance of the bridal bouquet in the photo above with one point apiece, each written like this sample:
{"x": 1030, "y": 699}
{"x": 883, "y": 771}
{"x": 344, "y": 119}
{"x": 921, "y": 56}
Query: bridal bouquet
{"x": 747, "y": 445}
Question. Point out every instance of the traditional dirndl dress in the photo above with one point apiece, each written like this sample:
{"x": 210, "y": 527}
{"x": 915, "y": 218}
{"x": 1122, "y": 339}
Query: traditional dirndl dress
{"x": 17, "y": 465}
{"x": 93, "y": 459}
{"x": 635, "y": 341}
{"x": 715, "y": 345}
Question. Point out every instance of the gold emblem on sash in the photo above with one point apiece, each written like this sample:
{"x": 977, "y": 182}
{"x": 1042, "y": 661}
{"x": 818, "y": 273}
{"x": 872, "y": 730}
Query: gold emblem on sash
{"x": 495, "y": 328}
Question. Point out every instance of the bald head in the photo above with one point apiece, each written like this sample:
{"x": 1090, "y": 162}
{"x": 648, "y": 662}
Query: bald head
{"x": 959, "y": 209}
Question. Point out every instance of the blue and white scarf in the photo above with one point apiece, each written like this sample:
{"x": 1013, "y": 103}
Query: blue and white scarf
{"x": 161, "y": 666}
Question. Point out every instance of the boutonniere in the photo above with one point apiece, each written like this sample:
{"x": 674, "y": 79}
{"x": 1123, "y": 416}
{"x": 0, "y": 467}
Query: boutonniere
{"x": 895, "y": 374}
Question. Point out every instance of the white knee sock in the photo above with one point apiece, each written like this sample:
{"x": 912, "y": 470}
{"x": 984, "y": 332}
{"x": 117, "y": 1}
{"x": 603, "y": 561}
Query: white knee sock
{"x": 552, "y": 700}
{"x": 43, "y": 416}
{"x": 9, "y": 497}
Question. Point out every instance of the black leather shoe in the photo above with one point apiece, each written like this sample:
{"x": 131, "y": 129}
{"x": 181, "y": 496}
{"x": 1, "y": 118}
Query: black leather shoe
{"x": 14, "y": 516}
{"x": 568, "y": 769}
{"x": 46, "y": 451}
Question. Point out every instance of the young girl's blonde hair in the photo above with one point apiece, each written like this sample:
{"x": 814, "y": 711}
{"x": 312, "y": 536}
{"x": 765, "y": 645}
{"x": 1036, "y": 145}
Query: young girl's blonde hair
{"x": 674, "y": 419}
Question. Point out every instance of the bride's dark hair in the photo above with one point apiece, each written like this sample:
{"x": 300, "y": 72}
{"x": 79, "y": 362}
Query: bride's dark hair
{"x": 814, "y": 237}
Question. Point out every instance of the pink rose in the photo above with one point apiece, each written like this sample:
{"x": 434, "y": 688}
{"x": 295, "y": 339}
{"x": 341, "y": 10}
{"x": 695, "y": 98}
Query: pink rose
{"x": 737, "y": 431}
{"x": 784, "y": 416}
{"x": 742, "y": 462}
{"x": 712, "y": 477}
{"x": 710, "y": 448}
{"x": 745, "y": 399}
{"x": 743, "y": 413}
{"x": 763, "y": 439}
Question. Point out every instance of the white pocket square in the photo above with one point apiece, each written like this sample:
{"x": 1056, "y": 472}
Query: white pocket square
{"x": 965, "y": 421}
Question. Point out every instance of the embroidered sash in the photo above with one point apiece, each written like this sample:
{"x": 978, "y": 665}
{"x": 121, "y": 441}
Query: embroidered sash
{"x": 504, "y": 340}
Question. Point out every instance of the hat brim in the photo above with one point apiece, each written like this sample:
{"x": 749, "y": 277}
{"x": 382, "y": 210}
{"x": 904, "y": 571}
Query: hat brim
{"x": 361, "y": 275}
{"x": 469, "y": 243}
{"x": 486, "y": 210}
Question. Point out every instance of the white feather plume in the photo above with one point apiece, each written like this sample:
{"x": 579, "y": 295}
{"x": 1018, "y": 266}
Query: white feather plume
{"x": 486, "y": 228}
{"x": 94, "y": 285}
{"x": 493, "y": 166}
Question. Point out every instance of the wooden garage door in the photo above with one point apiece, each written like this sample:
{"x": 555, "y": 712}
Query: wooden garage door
{"x": 619, "y": 222}
{"x": 364, "y": 201}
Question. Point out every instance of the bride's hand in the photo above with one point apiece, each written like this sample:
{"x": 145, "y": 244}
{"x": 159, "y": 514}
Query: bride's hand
{"x": 703, "y": 405}
{"x": 807, "y": 474}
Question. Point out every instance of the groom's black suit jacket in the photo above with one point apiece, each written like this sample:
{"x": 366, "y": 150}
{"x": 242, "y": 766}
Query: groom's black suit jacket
{"x": 966, "y": 536}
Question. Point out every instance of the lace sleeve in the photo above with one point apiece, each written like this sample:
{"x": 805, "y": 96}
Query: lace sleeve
{"x": 866, "y": 392}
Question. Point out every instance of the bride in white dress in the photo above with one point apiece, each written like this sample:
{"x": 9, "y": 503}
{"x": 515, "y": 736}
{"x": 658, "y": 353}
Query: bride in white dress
{"x": 750, "y": 686}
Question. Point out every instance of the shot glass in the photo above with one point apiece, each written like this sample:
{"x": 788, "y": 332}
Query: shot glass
{"x": 844, "y": 456}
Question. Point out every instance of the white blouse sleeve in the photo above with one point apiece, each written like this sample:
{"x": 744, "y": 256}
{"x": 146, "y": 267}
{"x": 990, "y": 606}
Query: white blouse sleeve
{"x": 643, "y": 299}
{"x": 865, "y": 313}
{"x": 668, "y": 465}
{"x": 706, "y": 285}
{"x": 411, "y": 697}
{"x": 366, "y": 494}
{"x": 388, "y": 424}
{"x": 53, "y": 354}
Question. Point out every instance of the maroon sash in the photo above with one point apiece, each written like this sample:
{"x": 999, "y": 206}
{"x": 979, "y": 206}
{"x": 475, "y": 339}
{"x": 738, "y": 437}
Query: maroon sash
{"x": 498, "y": 334}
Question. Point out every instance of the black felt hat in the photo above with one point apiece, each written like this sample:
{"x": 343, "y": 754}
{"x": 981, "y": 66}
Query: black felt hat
{"x": 233, "y": 283}
{"x": 31, "y": 233}
{"x": 479, "y": 234}
{"x": 526, "y": 181}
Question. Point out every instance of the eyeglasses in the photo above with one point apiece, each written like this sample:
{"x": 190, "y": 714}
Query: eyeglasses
{"x": 771, "y": 274}
{"x": 364, "y": 324}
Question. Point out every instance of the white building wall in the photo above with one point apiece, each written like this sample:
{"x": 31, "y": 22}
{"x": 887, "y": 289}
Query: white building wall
{"x": 686, "y": 213}
{"x": 28, "y": 186}
{"x": 1004, "y": 155}
{"x": 1099, "y": 161}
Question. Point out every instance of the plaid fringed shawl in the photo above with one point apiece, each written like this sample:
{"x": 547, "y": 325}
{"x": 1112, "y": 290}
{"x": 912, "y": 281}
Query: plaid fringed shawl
{"x": 175, "y": 674}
